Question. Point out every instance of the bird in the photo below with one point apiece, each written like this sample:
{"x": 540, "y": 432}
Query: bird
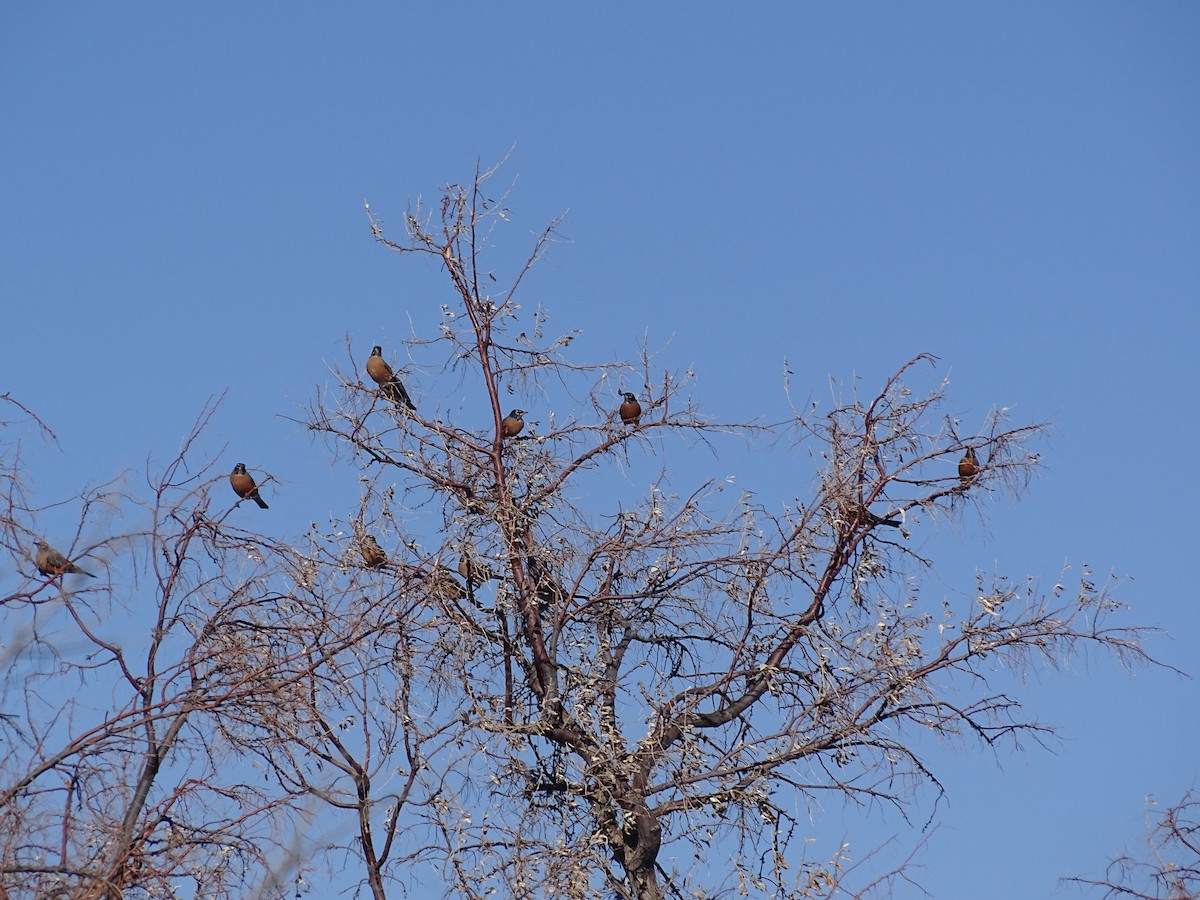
{"x": 244, "y": 486}
{"x": 550, "y": 592}
{"x": 473, "y": 571}
{"x": 389, "y": 385}
{"x": 513, "y": 423}
{"x": 443, "y": 585}
{"x": 968, "y": 466}
{"x": 51, "y": 562}
{"x": 372, "y": 553}
{"x": 879, "y": 520}
{"x": 630, "y": 410}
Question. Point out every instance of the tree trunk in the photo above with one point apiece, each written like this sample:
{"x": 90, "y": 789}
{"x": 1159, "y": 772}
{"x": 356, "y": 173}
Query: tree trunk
{"x": 644, "y": 882}
{"x": 641, "y": 839}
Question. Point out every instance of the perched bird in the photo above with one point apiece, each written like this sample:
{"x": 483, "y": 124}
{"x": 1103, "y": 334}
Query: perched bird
{"x": 879, "y": 520}
{"x": 443, "y": 585}
{"x": 631, "y": 410}
{"x": 372, "y": 553}
{"x": 473, "y": 571}
{"x": 550, "y": 592}
{"x": 51, "y": 562}
{"x": 244, "y": 486}
{"x": 968, "y": 466}
{"x": 389, "y": 385}
{"x": 513, "y": 423}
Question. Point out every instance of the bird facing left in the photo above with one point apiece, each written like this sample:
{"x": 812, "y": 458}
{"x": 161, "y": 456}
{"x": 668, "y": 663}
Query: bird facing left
{"x": 52, "y": 563}
{"x": 243, "y": 485}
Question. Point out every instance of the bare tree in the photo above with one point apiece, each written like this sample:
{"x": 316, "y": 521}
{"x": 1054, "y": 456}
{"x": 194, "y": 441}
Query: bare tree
{"x": 656, "y": 669}
{"x": 141, "y": 710}
{"x": 339, "y": 720}
{"x": 109, "y": 781}
{"x": 507, "y": 668}
{"x": 1170, "y": 867}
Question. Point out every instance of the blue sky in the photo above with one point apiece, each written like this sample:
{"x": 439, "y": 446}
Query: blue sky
{"x": 1014, "y": 188}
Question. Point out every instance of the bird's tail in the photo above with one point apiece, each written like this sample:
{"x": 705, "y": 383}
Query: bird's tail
{"x": 395, "y": 391}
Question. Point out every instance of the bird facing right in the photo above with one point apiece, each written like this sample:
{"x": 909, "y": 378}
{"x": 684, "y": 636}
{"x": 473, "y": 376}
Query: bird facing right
{"x": 513, "y": 423}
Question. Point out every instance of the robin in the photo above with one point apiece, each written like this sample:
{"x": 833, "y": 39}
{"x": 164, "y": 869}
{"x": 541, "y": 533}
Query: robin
{"x": 389, "y": 385}
{"x": 513, "y": 423}
{"x": 372, "y": 553}
{"x": 473, "y": 571}
{"x": 244, "y": 486}
{"x": 444, "y": 586}
{"x": 51, "y": 562}
{"x": 968, "y": 466}
{"x": 550, "y": 592}
{"x": 879, "y": 520}
{"x": 631, "y": 410}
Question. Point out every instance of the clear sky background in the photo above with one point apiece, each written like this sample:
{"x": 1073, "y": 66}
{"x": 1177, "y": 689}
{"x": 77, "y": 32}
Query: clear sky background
{"x": 1012, "y": 187}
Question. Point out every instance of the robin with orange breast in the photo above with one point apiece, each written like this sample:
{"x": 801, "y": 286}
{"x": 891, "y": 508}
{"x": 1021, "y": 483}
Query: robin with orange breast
{"x": 968, "y": 466}
{"x": 52, "y": 563}
{"x": 243, "y": 485}
{"x": 513, "y": 423}
{"x": 389, "y": 385}
{"x": 630, "y": 410}
{"x": 475, "y": 572}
